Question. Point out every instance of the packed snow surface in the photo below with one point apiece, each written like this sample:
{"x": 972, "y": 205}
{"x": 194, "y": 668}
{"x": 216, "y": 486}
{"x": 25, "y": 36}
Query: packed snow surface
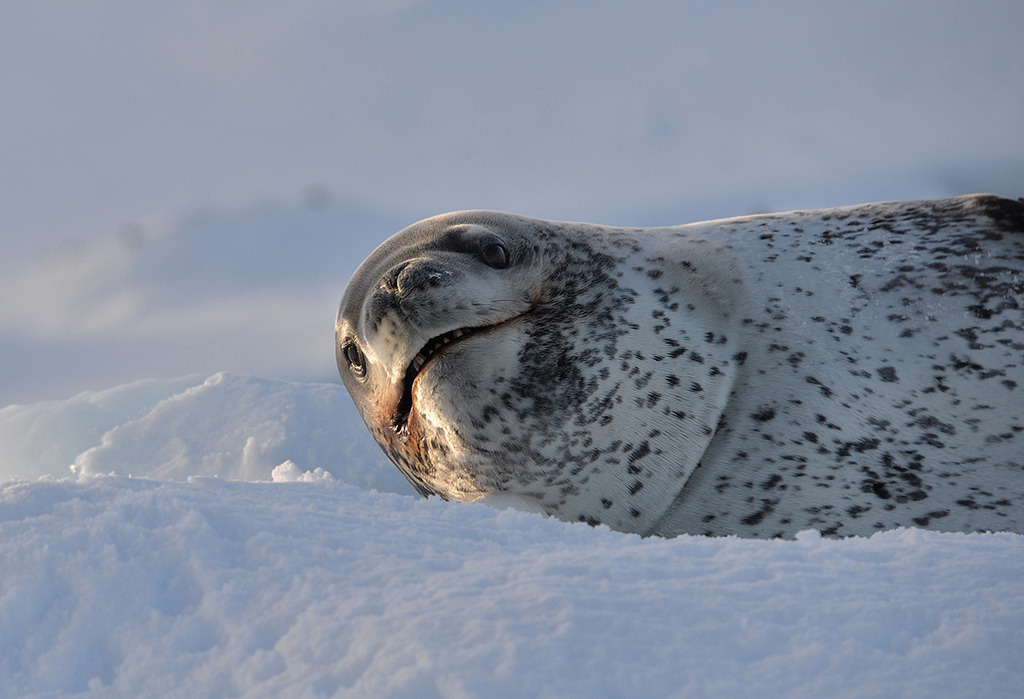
{"x": 229, "y": 536}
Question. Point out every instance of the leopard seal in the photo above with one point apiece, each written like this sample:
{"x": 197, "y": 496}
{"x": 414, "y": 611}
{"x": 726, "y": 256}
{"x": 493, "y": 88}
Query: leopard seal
{"x": 847, "y": 370}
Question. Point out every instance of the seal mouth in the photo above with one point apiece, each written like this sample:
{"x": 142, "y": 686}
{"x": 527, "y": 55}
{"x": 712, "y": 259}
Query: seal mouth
{"x": 431, "y": 349}
{"x": 427, "y": 353}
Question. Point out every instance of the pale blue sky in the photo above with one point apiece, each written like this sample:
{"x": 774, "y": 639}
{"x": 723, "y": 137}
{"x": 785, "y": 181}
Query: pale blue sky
{"x": 114, "y": 111}
{"x": 121, "y": 123}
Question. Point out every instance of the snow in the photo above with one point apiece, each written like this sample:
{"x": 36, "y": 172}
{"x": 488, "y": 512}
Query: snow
{"x": 223, "y": 426}
{"x": 238, "y": 536}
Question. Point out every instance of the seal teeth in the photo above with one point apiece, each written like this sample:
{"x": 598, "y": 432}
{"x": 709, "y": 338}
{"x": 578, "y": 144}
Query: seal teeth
{"x": 426, "y": 353}
{"x": 433, "y": 347}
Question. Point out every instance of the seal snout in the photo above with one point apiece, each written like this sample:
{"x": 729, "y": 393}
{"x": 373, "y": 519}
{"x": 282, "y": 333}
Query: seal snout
{"x": 416, "y": 275}
{"x": 410, "y": 291}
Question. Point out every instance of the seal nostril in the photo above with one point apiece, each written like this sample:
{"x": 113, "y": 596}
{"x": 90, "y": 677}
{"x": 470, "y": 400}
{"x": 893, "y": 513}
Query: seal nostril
{"x": 389, "y": 282}
{"x": 422, "y": 275}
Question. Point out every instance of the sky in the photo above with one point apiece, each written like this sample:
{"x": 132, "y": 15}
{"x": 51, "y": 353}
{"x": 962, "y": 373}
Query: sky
{"x": 187, "y": 186}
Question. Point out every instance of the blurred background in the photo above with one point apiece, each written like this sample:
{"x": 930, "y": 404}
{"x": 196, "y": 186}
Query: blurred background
{"x": 186, "y": 187}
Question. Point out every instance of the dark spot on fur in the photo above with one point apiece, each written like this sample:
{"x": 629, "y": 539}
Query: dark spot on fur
{"x": 767, "y": 506}
{"x": 878, "y": 488}
{"x": 825, "y": 390}
{"x": 639, "y": 453}
{"x": 860, "y": 446}
{"x": 888, "y": 374}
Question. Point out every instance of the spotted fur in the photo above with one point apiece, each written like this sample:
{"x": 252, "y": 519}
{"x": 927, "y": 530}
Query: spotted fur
{"x": 848, "y": 370}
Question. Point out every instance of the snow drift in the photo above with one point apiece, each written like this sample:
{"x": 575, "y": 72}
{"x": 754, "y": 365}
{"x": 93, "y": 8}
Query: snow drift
{"x": 167, "y": 584}
{"x": 223, "y": 426}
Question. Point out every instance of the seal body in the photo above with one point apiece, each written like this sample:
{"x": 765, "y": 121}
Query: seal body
{"x": 847, "y": 370}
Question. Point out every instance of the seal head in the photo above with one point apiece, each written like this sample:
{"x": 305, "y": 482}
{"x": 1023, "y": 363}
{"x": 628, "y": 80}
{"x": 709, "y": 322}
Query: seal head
{"x": 426, "y": 317}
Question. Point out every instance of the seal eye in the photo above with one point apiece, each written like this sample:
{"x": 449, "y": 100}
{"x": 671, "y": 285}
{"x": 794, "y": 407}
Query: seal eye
{"x": 495, "y": 255}
{"x": 356, "y": 361}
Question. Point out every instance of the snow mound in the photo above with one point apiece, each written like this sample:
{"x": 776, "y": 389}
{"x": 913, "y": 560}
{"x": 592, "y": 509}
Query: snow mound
{"x": 317, "y": 581}
{"x": 130, "y": 587}
{"x": 226, "y": 426}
